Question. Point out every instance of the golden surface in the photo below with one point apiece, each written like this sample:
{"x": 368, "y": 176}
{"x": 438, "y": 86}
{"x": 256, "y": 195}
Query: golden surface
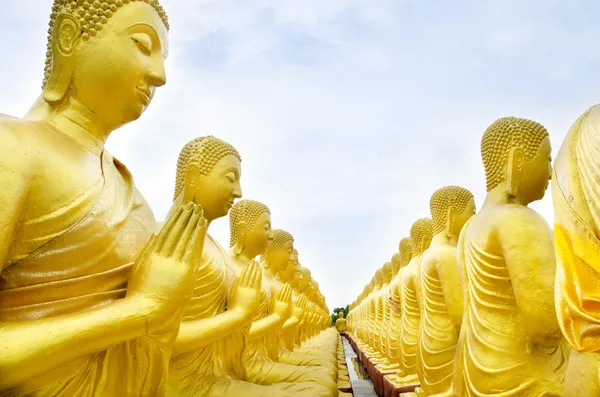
{"x": 340, "y": 323}
{"x": 576, "y": 209}
{"x": 441, "y": 293}
{"x": 73, "y": 222}
{"x": 510, "y": 341}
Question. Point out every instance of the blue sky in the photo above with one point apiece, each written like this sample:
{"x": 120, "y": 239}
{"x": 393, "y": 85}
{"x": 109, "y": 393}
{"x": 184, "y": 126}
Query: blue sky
{"x": 348, "y": 113}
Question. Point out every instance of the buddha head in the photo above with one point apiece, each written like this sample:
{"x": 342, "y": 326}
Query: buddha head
{"x": 406, "y": 251}
{"x": 387, "y": 272}
{"x": 208, "y": 173}
{"x": 451, "y": 207}
{"x": 249, "y": 228}
{"x": 396, "y": 261}
{"x": 340, "y": 315}
{"x": 279, "y": 251}
{"x": 305, "y": 280}
{"x": 516, "y": 157}
{"x": 378, "y": 279}
{"x": 421, "y": 234}
{"x": 107, "y": 55}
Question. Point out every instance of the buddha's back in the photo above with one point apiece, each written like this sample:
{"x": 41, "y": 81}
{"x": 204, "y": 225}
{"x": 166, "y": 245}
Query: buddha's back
{"x": 499, "y": 349}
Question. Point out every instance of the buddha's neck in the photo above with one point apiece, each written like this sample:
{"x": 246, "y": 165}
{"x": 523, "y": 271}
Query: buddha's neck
{"x": 444, "y": 237}
{"x": 243, "y": 256}
{"x": 499, "y": 195}
{"x": 75, "y": 120}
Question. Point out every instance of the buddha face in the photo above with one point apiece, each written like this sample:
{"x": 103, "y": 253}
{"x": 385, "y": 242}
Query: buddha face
{"x": 260, "y": 234}
{"x": 217, "y": 191}
{"x": 116, "y": 72}
{"x": 279, "y": 259}
{"x": 536, "y": 174}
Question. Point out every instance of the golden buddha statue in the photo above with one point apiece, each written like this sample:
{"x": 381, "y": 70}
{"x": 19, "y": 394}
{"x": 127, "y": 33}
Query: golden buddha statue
{"x": 510, "y": 342}
{"x": 207, "y": 355}
{"x": 441, "y": 291}
{"x": 340, "y": 323}
{"x": 394, "y": 327}
{"x": 574, "y": 187}
{"x": 262, "y": 357}
{"x": 85, "y": 309}
{"x": 421, "y": 234}
{"x": 372, "y": 329}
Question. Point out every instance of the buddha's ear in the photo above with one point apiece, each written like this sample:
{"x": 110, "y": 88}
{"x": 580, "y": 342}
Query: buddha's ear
{"x": 67, "y": 30}
{"x": 516, "y": 158}
{"x": 241, "y": 237}
{"x": 450, "y": 219}
{"x": 192, "y": 173}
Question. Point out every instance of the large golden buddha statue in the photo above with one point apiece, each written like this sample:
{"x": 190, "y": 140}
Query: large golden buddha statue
{"x": 441, "y": 292}
{"x": 82, "y": 312}
{"x": 207, "y": 356}
{"x": 576, "y": 231}
{"x": 421, "y": 234}
{"x": 510, "y": 340}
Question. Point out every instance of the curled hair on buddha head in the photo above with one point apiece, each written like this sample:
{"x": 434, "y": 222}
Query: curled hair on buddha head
{"x": 421, "y": 233}
{"x": 92, "y": 16}
{"x": 247, "y": 211}
{"x": 406, "y": 251}
{"x": 280, "y": 237}
{"x": 205, "y": 152}
{"x": 442, "y": 200}
{"x": 503, "y": 135}
{"x": 396, "y": 262}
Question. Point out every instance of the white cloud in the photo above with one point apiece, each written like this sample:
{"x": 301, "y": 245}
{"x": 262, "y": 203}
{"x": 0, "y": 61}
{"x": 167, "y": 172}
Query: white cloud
{"x": 348, "y": 113}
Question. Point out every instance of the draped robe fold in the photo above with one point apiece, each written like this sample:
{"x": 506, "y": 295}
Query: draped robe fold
{"x": 86, "y": 252}
{"x": 576, "y": 198}
{"x": 494, "y": 356}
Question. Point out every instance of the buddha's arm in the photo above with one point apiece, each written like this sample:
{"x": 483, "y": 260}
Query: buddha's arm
{"x": 196, "y": 334}
{"x": 529, "y": 254}
{"x": 32, "y": 348}
{"x": 448, "y": 272}
{"x": 290, "y": 323}
{"x": 266, "y": 324}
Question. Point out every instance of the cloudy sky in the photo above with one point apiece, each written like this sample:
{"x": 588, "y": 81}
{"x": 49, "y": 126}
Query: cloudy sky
{"x": 348, "y": 113}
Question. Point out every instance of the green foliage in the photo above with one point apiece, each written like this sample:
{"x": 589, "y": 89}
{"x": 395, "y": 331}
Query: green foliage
{"x": 335, "y": 314}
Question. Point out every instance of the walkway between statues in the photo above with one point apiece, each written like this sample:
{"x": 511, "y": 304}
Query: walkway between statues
{"x": 361, "y": 384}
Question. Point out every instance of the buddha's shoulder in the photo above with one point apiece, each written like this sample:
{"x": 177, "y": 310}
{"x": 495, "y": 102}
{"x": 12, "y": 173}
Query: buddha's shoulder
{"x": 24, "y": 135}
{"x": 19, "y": 142}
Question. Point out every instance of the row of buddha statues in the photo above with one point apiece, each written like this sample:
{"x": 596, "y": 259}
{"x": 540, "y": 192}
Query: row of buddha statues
{"x": 99, "y": 299}
{"x": 495, "y": 303}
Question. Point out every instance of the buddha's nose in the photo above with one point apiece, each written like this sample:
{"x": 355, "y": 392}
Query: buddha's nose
{"x": 157, "y": 77}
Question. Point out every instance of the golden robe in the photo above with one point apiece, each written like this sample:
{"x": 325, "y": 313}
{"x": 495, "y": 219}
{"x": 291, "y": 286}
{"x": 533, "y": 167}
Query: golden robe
{"x": 576, "y": 196}
{"x": 219, "y": 369}
{"x": 87, "y": 250}
{"x": 494, "y": 356}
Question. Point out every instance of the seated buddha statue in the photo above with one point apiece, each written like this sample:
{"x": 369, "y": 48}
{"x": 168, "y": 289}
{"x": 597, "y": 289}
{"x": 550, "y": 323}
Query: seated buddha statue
{"x": 420, "y": 237}
{"x": 340, "y": 323}
{"x": 510, "y": 342}
{"x": 207, "y": 355}
{"x": 576, "y": 231}
{"x": 263, "y": 365}
{"x": 441, "y": 292}
{"x": 372, "y": 329}
{"x": 390, "y": 330}
{"x": 88, "y": 305}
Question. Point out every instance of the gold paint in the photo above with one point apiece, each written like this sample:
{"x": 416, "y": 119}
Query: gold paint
{"x": 510, "y": 341}
{"x": 576, "y": 210}
{"x": 73, "y": 222}
{"x": 441, "y": 292}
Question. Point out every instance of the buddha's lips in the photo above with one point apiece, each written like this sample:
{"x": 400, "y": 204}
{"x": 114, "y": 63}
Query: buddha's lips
{"x": 145, "y": 94}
